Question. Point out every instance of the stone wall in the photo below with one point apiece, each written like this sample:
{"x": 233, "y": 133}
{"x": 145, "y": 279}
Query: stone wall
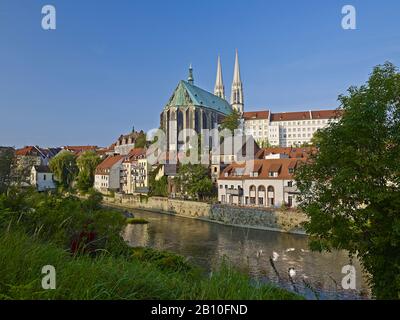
{"x": 260, "y": 218}
{"x": 287, "y": 221}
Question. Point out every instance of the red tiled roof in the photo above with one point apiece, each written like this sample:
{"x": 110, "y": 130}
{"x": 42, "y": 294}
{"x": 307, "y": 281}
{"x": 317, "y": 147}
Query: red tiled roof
{"x": 27, "y": 151}
{"x": 267, "y": 165}
{"x": 255, "y": 115}
{"x": 305, "y": 115}
{"x": 135, "y": 153}
{"x": 108, "y": 163}
{"x": 289, "y": 151}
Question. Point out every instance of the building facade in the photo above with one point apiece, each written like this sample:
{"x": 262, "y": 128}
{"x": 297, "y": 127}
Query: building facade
{"x": 135, "y": 172}
{"x": 42, "y": 178}
{"x": 287, "y": 129}
{"x": 266, "y": 183}
{"x": 108, "y": 174}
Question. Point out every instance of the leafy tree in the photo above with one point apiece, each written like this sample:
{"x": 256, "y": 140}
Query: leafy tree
{"x": 194, "y": 180}
{"x": 87, "y": 163}
{"x": 6, "y": 159}
{"x": 158, "y": 187}
{"x": 350, "y": 189}
{"x": 141, "y": 140}
{"x": 231, "y": 122}
{"x": 265, "y": 143}
{"x": 64, "y": 167}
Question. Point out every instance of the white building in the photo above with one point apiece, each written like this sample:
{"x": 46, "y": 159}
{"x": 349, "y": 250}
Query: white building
{"x": 264, "y": 183}
{"x": 42, "y": 178}
{"x": 108, "y": 174}
{"x": 286, "y": 129}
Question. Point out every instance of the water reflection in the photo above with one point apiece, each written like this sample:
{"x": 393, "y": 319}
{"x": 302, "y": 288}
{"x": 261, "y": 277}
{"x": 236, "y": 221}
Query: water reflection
{"x": 250, "y": 250}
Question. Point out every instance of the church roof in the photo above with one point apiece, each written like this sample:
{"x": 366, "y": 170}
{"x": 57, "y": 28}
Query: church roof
{"x": 187, "y": 94}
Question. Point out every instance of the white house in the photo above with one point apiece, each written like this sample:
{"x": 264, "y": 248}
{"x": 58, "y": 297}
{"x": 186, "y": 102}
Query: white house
{"x": 42, "y": 178}
{"x": 108, "y": 174}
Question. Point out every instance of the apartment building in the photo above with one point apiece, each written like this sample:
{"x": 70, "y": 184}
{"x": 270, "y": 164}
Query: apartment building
{"x": 286, "y": 129}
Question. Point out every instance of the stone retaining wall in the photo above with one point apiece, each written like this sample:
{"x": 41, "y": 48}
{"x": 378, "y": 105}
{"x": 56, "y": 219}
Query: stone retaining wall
{"x": 286, "y": 221}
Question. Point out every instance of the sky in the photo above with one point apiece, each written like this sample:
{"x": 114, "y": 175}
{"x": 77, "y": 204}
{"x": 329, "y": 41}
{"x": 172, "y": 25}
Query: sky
{"x": 112, "y": 65}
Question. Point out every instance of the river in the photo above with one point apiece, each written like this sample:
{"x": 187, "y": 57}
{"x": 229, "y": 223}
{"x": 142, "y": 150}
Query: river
{"x": 317, "y": 275}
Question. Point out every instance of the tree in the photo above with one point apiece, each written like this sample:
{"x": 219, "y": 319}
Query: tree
{"x": 64, "y": 167}
{"x": 140, "y": 140}
{"x": 194, "y": 180}
{"x": 6, "y": 159}
{"x": 350, "y": 188}
{"x": 158, "y": 187}
{"x": 87, "y": 163}
{"x": 231, "y": 122}
{"x": 265, "y": 143}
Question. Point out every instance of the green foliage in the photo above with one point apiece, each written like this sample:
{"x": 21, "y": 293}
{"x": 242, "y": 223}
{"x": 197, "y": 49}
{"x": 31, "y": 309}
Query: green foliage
{"x": 163, "y": 259}
{"x": 136, "y": 221}
{"x": 61, "y": 219}
{"x": 265, "y": 144}
{"x": 350, "y": 189}
{"x": 231, "y": 122}
{"x": 194, "y": 180}
{"x": 141, "y": 140}
{"x": 36, "y": 229}
{"x": 6, "y": 159}
{"x": 87, "y": 163}
{"x": 107, "y": 277}
{"x": 158, "y": 187}
{"x": 65, "y": 169}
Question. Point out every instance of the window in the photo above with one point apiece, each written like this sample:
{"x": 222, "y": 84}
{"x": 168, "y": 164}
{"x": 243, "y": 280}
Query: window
{"x": 290, "y": 184}
{"x": 221, "y": 186}
{"x": 44, "y": 177}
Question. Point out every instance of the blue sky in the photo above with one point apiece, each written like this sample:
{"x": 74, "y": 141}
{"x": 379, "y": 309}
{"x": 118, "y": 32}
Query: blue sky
{"x": 110, "y": 65}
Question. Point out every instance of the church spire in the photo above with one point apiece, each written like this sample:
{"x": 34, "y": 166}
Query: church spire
{"x": 237, "y": 87}
{"x": 219, "y": 89}
{"x": 190, "y": 77}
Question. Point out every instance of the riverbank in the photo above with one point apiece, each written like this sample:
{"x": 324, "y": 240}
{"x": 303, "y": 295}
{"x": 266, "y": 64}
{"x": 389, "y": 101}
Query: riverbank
{"x": 83, "y": 242}
{"x": 288, "y": 221}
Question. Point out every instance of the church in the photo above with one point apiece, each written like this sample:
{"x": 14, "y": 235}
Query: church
{"x": 191, "y": 107}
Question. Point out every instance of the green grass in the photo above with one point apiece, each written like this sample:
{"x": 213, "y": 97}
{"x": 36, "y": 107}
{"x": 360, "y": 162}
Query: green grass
{"x": 109, "y": 277}
{"x": 40, "y": 229}
{"x": 136, "y": 221}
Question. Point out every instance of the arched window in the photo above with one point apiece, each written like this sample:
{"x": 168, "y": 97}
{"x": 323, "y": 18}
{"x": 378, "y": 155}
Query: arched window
{"x": 180, "y": 121}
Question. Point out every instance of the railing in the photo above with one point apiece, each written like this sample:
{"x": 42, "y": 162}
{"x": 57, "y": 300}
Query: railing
{"x": 290, "y": 189}
{"x": 234, "y": 192}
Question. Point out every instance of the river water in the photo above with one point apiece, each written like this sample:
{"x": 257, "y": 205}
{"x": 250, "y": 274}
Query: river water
{"x": 317, "y": 275}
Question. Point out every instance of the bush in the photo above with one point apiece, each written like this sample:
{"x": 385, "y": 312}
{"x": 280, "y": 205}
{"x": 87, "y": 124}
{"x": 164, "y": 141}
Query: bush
{"x": 136, "y": 221}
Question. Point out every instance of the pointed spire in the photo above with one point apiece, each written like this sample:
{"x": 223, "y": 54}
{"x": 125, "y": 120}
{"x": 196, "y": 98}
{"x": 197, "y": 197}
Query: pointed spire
{"x": 236, "y": 72}
{"x": 219, "y": 89}
{"x": 190, "y": 77}
{"x": 237, "y": 87}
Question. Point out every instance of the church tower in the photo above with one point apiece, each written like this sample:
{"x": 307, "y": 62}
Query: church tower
{"x": 219, "y": 89}
{"x": 237, "y": 88}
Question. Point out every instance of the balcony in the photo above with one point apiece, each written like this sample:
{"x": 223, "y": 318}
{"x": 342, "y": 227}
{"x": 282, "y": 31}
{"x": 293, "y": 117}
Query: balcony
{"x": 290, "y": 189}
{"x": 234, "y": 192}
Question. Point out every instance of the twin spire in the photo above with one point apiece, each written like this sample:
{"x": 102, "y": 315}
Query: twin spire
{"x": 219, "y": 89}
{"x": 237, "y": 86}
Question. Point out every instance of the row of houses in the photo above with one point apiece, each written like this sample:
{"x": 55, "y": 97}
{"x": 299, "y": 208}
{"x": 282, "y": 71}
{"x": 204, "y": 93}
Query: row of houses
{"x": 123, "y": 173}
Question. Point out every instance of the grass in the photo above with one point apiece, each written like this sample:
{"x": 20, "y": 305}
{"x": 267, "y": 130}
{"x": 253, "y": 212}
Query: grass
{"x": 136, "y": 221}
{"x": 142, "y": 276}
{"x": 84, "y": 244}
